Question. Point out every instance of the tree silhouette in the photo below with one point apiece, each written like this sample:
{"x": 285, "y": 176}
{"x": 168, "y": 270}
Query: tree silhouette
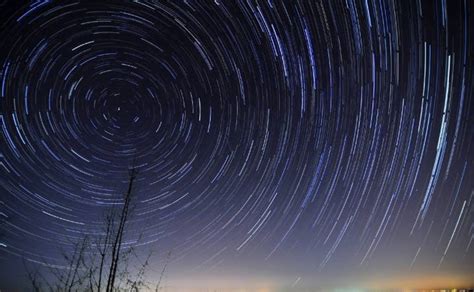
{"x": 99, "y": 261}
{"x": 119, "y": 236}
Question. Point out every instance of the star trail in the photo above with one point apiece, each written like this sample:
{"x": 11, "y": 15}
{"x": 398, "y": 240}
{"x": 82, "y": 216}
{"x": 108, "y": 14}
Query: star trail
{"x": 279, "y": 144}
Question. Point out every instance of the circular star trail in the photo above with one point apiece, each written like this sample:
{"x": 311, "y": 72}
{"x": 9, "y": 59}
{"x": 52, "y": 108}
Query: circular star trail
{"x": 325, "y": 136}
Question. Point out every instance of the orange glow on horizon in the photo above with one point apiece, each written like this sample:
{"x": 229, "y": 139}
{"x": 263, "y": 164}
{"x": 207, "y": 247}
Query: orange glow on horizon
{"x": 431, "y": 282}
{"x": 428, "y": 282}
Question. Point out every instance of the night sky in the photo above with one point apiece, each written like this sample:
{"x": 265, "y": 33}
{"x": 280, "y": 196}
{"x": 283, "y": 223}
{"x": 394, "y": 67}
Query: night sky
{"x": 280, "y": 145}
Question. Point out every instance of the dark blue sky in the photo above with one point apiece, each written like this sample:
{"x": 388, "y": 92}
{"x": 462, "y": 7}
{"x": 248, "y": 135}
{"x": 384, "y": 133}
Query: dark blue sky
{"x": 279, "y": 144}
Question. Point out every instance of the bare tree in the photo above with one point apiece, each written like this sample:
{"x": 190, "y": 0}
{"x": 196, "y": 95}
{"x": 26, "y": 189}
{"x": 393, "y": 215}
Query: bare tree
{"x": 119, "y": 236}
{"x": 168, "y": 257}
{"x": 99, "y": 261}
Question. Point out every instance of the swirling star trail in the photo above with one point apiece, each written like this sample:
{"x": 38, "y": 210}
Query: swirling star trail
{"x": 279, "y": 144}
